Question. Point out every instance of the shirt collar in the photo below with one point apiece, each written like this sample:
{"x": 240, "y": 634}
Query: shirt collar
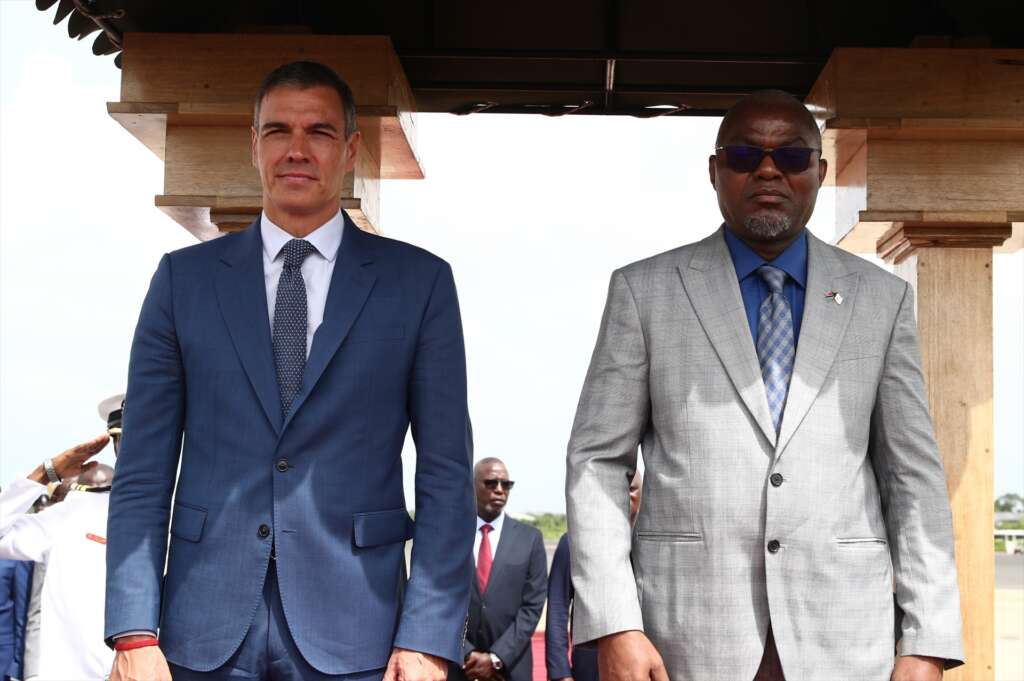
{"x": 326, "y": 238}
{"x": 496, "y": 523}
{"x": 792, "y": 261}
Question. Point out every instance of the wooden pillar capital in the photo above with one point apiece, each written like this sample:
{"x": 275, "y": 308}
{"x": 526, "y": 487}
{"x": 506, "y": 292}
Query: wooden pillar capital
{"x": 904, "y": 238}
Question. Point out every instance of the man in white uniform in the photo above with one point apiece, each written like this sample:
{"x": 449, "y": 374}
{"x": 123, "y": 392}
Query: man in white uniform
{"x": 70, "y": 539}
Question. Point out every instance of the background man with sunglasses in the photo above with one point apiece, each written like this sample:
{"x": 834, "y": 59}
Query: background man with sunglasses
{"x": 792, "y": 479}
{"x": 509, "y": 586}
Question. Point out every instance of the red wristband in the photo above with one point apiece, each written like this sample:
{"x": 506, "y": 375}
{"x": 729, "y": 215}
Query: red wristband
{"x": 139, "y": 643}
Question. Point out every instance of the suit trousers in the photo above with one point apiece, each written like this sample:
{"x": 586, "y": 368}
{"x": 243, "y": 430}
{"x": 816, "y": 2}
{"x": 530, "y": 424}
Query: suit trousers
{"x": 268, "y": 652}
{"x": 771, "y": 666}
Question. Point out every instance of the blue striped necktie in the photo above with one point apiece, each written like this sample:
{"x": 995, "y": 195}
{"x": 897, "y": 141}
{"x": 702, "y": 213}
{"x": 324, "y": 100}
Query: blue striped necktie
{"x": 776, "y": 348}
{"x": 291, "y": 322}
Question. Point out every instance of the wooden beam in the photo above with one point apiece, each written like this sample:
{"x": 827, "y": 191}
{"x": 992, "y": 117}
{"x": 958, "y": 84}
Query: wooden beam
{"x": 904, "y": 239}
{"x": 919, "y": 83}
{"x": 207, "y": 217}
{"x": 930, "y": 171}
{"x": 217, "y": 76}
{"x": 384, "y": 132}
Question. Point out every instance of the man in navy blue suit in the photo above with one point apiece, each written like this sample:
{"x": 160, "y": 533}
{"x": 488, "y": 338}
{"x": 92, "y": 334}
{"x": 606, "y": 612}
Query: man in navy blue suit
{"x": 564, "y": 662}
{"x": 292, "y": 358}
{"x": 15, "y": 580}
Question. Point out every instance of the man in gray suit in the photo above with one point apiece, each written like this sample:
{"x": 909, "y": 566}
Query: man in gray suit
{"x": 792, "y": 477}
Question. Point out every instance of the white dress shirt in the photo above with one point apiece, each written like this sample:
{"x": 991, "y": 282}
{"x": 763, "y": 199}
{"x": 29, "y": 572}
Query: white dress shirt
{"x": 316, "y": 269}
{"x": 494, "y": 536}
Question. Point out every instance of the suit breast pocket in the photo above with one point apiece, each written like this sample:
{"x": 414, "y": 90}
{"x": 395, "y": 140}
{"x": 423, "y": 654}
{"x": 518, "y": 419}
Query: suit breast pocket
{"x": 375, "y": 332}
{"x": 859, "y": 346}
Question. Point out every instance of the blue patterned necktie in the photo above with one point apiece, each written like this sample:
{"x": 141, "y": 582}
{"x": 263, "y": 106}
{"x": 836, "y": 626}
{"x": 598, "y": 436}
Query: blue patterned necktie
{"x": 290, "y": 322}
{"x": 775, "y": 343}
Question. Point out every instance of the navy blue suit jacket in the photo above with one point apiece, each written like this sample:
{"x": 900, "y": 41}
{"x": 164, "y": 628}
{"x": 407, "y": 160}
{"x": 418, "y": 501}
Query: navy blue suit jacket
{"x": 323, "y": 484}
{"x": 561, "y": 593}
{"x": 15, "y": 584}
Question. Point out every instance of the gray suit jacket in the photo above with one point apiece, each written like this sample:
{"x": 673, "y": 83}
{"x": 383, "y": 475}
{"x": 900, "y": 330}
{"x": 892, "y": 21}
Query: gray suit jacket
{"x": 860, "y": 511}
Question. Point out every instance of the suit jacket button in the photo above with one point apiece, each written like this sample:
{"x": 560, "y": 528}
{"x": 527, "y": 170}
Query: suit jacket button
{"x": 774, "y": 546}
{"x": 263, "y": 532}
{"x": 776, "y": 479}
{"x": 282, "y": 465}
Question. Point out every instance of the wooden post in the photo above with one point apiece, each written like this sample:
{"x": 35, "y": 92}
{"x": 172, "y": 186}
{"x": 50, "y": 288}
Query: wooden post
{"x": 955, "y": 324}
{"x": 926, "y": 151}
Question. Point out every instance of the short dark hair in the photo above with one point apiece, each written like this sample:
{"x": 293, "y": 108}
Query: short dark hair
{"x": 772, "y": 98}
{"x": 304, "y": 75}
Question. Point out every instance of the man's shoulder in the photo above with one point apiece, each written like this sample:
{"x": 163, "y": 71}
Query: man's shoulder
{"x": 667, "y": 261}
{"x": 527, "y": 532}
{"x": 870, "y": 273}
{"x": 204, "y": 253}
{"x": 408, "y": 255}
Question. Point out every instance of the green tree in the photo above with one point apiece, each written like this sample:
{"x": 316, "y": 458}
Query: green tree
{"x": 551, "y": 525}
{"x": 1010, "y": 503}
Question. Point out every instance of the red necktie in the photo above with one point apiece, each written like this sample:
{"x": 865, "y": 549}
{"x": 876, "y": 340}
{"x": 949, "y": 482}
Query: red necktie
{"x": 484, "y": 560}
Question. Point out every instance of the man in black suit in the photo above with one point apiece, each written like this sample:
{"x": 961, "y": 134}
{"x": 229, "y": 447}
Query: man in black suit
{"x": 564, "y": 662}
{"x": 509, "y": 585}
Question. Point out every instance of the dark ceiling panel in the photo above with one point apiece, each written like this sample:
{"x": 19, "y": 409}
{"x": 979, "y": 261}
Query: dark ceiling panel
{"x": 520, "y": 25}
{"x": 715, "y": 27}
{"x": 555, "y": 56}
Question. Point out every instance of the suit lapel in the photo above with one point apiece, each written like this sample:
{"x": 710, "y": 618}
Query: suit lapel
{"x": 821, "y": 332}
{"x": 508, "y": 532}
{"x": 714, "y": 292}
{"x": 242, "y": 297}
{"x": 351, "y": 283}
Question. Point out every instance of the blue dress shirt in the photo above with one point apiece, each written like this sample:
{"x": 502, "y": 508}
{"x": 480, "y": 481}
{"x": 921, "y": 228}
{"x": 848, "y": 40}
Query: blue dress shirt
{"x": 793, "y": 261}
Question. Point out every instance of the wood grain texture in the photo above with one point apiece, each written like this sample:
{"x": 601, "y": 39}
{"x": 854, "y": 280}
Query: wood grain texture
{"x": 945, "y": 175}
{"x": 954, "y": 310}
{"x": 217, "y": 76}
{"x": 920, "y": 83}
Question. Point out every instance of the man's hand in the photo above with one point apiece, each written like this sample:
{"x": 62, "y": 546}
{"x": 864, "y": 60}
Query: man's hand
{"x": 629, "y": 656}
{"x": 141, "y": 664}
{"x": 72, "y": 462}
{"x": 918, "y": 668}
{"x": 410, "y": 665}
{"x": 479, "y": 666}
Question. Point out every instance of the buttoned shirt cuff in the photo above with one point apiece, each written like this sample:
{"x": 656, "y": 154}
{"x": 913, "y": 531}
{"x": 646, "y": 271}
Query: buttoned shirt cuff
{"x": 140, "y": 632}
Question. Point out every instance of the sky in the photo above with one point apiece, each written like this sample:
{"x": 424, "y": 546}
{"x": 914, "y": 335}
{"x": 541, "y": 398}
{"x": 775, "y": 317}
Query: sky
{"x": 533, "y": 213}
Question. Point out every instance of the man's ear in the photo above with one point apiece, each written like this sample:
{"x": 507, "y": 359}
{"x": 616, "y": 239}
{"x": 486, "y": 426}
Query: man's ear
{"x": 352, "y": 143}
{"x": 712, "y": 170}
{"x": 252, "y": 149}
{"x": 822, "y": 171}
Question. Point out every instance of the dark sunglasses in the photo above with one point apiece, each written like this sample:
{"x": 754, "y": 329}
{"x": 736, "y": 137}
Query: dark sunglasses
{"x": 493, "y": 483}
{"x": 742, "y": 158}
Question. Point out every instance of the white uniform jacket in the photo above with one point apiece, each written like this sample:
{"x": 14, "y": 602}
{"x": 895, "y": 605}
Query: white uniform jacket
{"x": 70, "y": 538}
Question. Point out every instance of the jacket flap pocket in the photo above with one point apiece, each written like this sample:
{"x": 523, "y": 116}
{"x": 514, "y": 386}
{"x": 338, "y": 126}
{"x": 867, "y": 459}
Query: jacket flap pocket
{"x": 381, "y": 527}
{"x": 860, "y": 541}
{"x": 188, "y": 521}
{"x": 677, "y": 537}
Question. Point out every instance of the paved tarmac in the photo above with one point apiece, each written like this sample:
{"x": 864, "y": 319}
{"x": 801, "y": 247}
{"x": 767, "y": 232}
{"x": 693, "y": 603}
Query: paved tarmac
{"x": 1009, "y": 617}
